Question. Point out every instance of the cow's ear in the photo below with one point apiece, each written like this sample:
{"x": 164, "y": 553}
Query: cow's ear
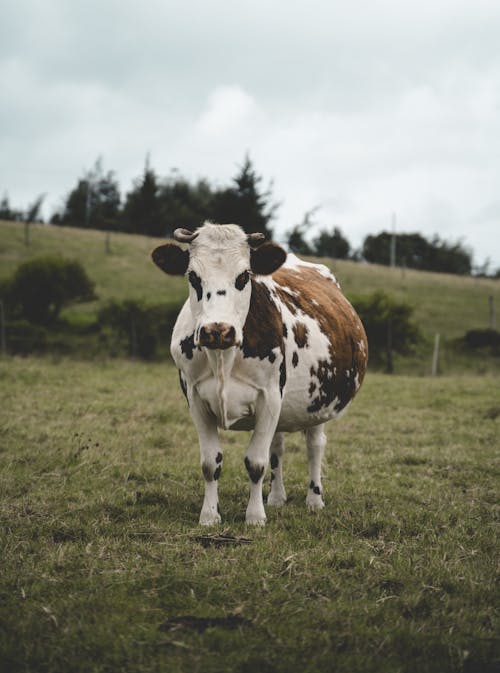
{"x": 171, "y": 259}
{"x": 267, "y": 259}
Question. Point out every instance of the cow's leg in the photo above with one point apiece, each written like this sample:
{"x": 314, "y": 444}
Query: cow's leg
{"x": 315, "y": 441}
{"x": 277, "y": 494}
{"x": 211, "y": 460}
{"x": 266, "y": 419}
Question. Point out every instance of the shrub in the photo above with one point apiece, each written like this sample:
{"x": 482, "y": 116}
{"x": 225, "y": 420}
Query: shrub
{"x": 22, "y": 337}
{"x": 483, "y": 338}
{"x": 42, "y": 286}
{"x": 388, "y": 324}
{"x": 141, "y": 328}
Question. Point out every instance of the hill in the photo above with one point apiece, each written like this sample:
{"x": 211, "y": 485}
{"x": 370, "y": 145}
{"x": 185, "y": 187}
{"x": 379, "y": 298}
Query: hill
{"x": 442, "y": 303}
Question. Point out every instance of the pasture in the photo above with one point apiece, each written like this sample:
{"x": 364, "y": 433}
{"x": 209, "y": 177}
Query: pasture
{"x": 103, "y": 568}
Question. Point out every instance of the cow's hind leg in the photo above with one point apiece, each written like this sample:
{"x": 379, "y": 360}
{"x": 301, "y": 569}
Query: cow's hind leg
{"x": 277, "y": 494}
{"x": 315, "y": 441}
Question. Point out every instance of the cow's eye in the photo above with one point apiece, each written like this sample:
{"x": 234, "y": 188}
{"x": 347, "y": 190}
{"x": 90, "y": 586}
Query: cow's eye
{"x": 241, "y": 280}
{"x": 195, "y": 282}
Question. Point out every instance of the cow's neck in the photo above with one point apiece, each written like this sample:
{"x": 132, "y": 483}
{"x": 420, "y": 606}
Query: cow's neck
{"x": 221, "y": 364}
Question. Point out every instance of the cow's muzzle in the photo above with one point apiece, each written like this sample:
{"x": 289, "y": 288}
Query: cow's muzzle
{"x": 217, "y": 335}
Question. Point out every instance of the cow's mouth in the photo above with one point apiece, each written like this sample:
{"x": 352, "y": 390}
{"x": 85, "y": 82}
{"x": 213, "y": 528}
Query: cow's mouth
{"x": 217, "y": 336}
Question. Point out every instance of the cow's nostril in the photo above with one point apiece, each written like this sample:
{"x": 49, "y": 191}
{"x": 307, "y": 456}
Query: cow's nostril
{"x": 217, "y": 335}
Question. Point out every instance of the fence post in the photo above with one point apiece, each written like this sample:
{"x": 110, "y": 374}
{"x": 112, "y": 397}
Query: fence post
{"x": 435, "y": 356}
{"x": 3, "y": 344}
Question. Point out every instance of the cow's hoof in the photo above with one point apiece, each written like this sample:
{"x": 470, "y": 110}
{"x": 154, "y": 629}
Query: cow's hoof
{"x": 209, "y": 518}
{"x": 276, "y": 499}
{"x": 314, "y": 501}
{"x": 254, "y": 521}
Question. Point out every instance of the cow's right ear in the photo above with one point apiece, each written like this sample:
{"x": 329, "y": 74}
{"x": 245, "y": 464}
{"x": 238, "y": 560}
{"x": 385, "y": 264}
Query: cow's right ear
{"x": 171, "y": 259}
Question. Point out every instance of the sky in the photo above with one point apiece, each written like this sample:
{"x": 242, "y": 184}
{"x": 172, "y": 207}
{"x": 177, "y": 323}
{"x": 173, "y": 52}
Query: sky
{"x": 356, "y": 109}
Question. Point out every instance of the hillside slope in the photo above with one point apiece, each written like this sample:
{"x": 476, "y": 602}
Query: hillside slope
{"x": 443, "y": 303}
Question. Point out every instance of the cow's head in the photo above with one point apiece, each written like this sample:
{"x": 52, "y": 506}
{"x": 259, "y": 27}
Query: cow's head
{"x": 219, "y": 263}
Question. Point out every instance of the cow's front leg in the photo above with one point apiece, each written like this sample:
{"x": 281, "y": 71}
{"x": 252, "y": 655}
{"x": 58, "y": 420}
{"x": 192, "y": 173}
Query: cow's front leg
{"x": 211, "y": 459}
{"x": 266, "y": 419}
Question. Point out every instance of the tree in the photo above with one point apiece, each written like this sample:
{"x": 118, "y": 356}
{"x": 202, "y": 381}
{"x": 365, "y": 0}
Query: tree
{"x": 94, "y": 203}
{"x": 331, "y": 244}
{"x": 42, "y": 286}
{"x": 416, "y": 252}
{"x": 142, "y": 209}
{"x": 244, "y": 203}
{"x": 6, "y": 212}
{"x": 184, "y": 204}
{"x": 295, "y": 238}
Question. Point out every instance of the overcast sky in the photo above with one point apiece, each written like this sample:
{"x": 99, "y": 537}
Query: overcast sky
{"x": 359, "y": 108}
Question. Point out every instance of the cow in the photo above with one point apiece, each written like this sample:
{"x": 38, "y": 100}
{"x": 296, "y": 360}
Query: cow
{"x": 265, "y": 342}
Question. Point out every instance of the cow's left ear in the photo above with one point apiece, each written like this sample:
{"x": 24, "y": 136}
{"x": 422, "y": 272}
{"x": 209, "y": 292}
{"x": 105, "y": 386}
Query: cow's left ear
{"x": 171, "y": 259}
{"x": 267, "y": 259}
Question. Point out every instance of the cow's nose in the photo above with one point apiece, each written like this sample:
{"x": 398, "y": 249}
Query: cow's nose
{"x": 217, "y": 335}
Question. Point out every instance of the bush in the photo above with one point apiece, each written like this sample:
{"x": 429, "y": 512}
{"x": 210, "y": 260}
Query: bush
{"x": 138, "y": 327}
{"x": 41, "y": 287}
{"x": 483, "y": 338}
{"x": 23, "y": 338}
{"x": 388, "y": 325}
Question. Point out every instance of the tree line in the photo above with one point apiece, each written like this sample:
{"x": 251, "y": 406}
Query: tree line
{"x": 156, "y": 206}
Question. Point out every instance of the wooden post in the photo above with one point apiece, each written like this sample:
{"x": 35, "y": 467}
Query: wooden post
{"x": 493, "y": 320}
{"x": 435, "y": 356}
{"x": 3, "y": 344}
{"x": 390, "y": 363}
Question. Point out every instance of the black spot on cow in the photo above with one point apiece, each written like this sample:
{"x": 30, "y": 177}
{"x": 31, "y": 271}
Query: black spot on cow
{"x": 314, "y": 488}
{"x": 275, "y": 461}
{"x": 221, "y": 292}
{"x": 272, "y": 357}
{"x": 195, "y": 282}
{"x": 285, "y": 330}
{"x": 241, "y": 280}
{"x": 209, "y": 294}
{"x": 187, "y": 346}
{"x": 207, "y": 471}
{"x": 217, "y": 472}
{"x": 255, "y": 472}
{"x": 295, "y": 359}
{"x": 183, "y": 386}
{"x": 282, "y": 376}
{"x": 218, "y": 458}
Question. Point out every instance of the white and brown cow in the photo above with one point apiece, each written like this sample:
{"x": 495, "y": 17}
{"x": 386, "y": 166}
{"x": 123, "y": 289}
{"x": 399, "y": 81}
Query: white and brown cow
{"x": 265, "y": 342}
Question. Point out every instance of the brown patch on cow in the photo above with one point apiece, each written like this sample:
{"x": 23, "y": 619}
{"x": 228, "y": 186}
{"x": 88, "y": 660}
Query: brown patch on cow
{"x": 306, "y": 290}
{"x": 300, "y": 334}
{"x": 263, "y": 329}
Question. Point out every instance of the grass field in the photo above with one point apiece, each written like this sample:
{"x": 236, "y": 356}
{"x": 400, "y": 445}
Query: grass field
{"x": 101, "y": 568}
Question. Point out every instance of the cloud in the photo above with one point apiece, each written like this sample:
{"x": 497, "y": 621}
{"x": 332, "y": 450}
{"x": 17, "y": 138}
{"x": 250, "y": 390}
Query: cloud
{"x": 362, "y": 109}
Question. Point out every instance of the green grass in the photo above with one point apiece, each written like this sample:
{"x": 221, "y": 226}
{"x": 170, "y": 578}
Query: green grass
{"x": 100, "y": 494}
